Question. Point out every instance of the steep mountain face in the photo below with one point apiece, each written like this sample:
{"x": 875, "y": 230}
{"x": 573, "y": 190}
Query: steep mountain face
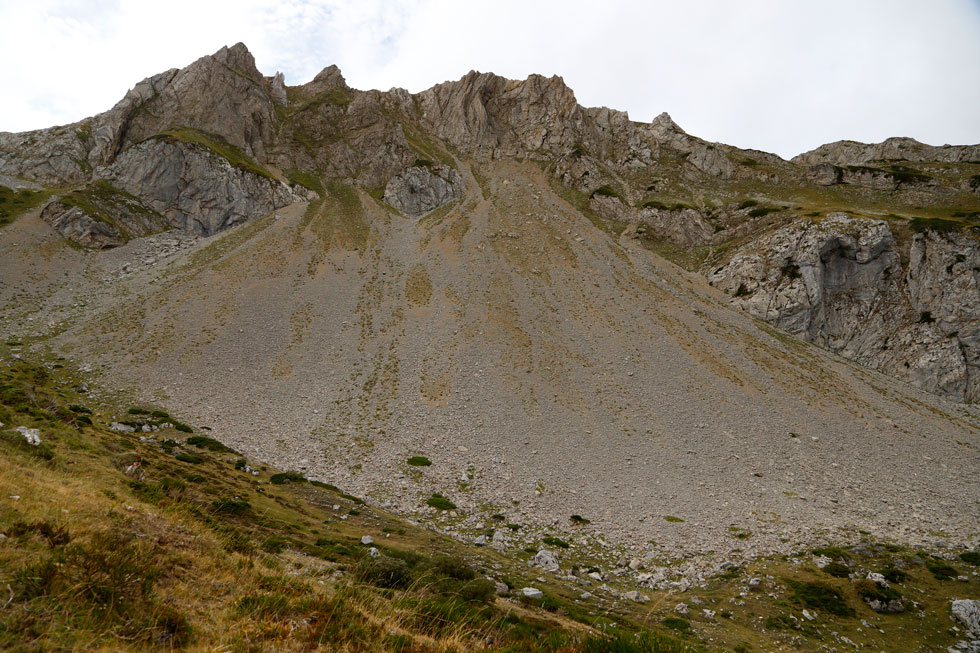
{"x": 841, "y": 283}
{"x": 477, "y": 273}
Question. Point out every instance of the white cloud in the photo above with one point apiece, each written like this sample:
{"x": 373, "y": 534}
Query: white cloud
{"x": 773, "y": 75}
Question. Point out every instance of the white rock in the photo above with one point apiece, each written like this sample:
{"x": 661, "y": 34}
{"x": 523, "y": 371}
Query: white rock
{"x": 374, "y": 553}
{"x": 682, "y": 609}
{"x": 480, "y": 541}
{"x": 877, "y": 578}
{"x": 809, "y": 616}
{"x": 532, "y": 593}
{"x": 122, "y": 428}
{"x": 367, "y": 539}
{"x": 33, "y": 436}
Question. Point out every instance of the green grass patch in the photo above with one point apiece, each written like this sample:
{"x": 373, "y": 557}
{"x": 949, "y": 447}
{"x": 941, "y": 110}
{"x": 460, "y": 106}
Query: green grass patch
{"x": 939, "y": 225}
{"x": 820, "y": 597}
{"x": 204, "y": 442}
{"x": 440, "y": 502}
{"x": 305, "y": 179}
{"x": 14, "y": 203}
{"x": 287, "y": 477}
{"x": 218, "y": 145}
{"x": 419, "y": 461}
{"x": 672, "y": 519}
{"x": 942, "y": 570}
{"x": 971, "y": 557}
{"x": 555, "y": 541}
{"x": 761, "y": 211}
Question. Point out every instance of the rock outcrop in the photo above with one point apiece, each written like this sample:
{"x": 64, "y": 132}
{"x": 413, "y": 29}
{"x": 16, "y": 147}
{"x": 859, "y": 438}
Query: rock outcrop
{"x": 851, "y": 153}
{"x": 101, "y": 215}
{"x": 840, "y": 283}
{"x": 419, "y": 189}
{"x": 195, "y": 188}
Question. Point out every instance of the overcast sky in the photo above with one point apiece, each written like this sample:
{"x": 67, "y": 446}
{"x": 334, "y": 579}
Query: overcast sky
{"x": 778, "y": 75}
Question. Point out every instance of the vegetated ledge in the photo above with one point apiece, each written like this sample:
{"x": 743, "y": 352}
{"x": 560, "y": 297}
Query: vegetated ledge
{"x": 218, "y": 145}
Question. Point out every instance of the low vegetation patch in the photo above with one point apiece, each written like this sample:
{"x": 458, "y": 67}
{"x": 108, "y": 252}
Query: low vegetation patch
{"x": 14, "y": 203}
{"x": 218, "y": 145}
{"x": 819, "y": 597}
{"x": 440, "y": 502}
{"x": 419, "y": 461}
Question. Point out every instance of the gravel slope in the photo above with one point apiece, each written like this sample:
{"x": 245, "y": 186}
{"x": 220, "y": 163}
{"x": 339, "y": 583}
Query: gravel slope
{"x": 518, "y": 347}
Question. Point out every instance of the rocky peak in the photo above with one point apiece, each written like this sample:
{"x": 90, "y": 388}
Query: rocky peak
{"x": 853, "y": 153}
{"x": 664, "y": 127}
{"x": 492, "y": 115}
{"x": 328, "y": 79}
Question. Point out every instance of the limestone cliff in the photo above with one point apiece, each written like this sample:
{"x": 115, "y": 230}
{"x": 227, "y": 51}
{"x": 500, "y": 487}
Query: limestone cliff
{"x": 845, "y": 284}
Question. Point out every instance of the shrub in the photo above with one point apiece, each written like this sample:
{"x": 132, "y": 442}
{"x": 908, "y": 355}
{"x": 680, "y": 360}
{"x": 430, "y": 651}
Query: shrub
{"x": 893, "y": 575}
{"x": 605, "y": 191}
{"x": 676, "y": 623}
{"x": 921, "y": 225}
{"x": 747, "y": 204}
{"x": 189, "y": 458}
{"x": 579, "y": 519}
{"x": 971, "y": 557}
{"x": 820, "y": 597}
{"x": 832, "y": 552}
{"x": 554, "y": 541}
{"x": 419, "y": 461}
{"x": 440, "y": 502}
{"x": 274, "y": 545}
{"x": 837, "y": 569}
{"x": 872, "y": 591}
{"x": 241, "y": 463}
{"x": 286, "y": 477}
{"x": 183, "y": 428}
{"x": 385, "y": 571}
{"x": 942, "y": 570}
{"x": 210, "y": 444}
{"x": 763, "y": 211}
{"x": 228, "y": 506}
{"x": 453, "y": 567}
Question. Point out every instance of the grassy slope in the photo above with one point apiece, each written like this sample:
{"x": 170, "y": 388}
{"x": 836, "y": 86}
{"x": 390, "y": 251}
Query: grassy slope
{"x": 192, "y": 551}
{"x": 197, "y": 552}
{"x": 14, "y": 203}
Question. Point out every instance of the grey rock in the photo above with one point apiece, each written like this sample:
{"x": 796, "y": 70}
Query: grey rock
{"x": 420, "y": 189}
{"x": 374, "y": 553}
{"x": 545, "y": 560}
{"x": 121, "y": 428}
{"x": 682, "y": 609}
{"x": 967, "y": 612}
{"x": 194, "y": 188}
{"x": 851, "y": 153}
{"x": 894, "y": 606}
{"x": 366, "y": 540}
{"x": 480, "y": 541}
{"x": 532, "y": 593}
{"x": 636, "y": 597}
